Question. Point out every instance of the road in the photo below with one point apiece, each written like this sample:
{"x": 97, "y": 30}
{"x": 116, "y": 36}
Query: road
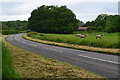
{"x": 102, "y": 64}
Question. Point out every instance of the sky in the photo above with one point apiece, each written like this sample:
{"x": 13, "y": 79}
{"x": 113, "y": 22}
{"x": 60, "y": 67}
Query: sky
{"x": 85, "y": 10}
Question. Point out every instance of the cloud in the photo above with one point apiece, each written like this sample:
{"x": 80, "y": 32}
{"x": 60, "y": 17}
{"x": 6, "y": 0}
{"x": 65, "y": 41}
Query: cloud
{"x": 65, "y": 1}
{"x": 14, "y": 17}
{"x": 86, "y": 17}
{"x": 90, "y": 10}
{"x": 119, "y": 8}
{"x": 84, "y": 10}
{"x": 0, "y": 8}
{"x": 16, "y": 8}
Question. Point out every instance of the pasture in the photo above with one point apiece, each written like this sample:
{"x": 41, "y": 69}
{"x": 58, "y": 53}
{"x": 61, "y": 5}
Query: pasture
{"x": 109, "y": 40}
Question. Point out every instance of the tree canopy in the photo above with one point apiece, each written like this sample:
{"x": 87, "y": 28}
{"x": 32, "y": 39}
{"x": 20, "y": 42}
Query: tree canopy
{"x": 53, "y": 19}
{"x": 104, "y": 22}
{"x": 14, "y": 25}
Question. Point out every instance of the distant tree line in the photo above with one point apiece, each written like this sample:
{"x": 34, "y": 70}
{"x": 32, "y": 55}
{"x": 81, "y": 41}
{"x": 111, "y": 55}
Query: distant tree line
{"x": 14, "y": 25}
{"x": 53, "y": 19}
{"x": 106, "y": 23}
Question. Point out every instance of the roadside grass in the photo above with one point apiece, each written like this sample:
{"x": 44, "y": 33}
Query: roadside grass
{"x": 0, "y": 56}
{"x": 31, "y": 65}
{"x": 8, "y": 69}
{"x": 68, "y": 39}
{"x": 109, "y": 40}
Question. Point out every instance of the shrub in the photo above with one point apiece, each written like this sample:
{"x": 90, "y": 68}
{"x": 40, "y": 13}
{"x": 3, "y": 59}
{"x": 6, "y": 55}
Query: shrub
{"x": 6, "y": 32}
{"x": 31, "y": 33}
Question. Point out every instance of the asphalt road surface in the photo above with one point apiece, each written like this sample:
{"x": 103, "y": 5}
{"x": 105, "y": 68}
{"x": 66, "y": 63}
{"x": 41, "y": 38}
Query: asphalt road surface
{"x": 102, "y": 64}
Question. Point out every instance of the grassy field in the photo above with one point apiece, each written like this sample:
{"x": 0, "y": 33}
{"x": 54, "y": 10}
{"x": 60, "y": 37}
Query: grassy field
{"x": 31, "y": 65}
{"x": 8, "y": 69}
{"x": 109, "y": 40}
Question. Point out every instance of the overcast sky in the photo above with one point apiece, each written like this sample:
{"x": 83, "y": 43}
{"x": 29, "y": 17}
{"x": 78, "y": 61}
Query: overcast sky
{"x": 85, "y": 10}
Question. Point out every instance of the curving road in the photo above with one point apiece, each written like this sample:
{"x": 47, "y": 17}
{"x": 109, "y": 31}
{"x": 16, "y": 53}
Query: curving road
{"x": 102, "y": 64}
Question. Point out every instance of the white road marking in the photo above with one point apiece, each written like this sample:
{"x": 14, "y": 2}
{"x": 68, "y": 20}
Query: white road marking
{"x": 23, "y": 42}
{"x": 32, "y": 44}
{"x": 16, "y": 38}
{"x": 99, "y": 59}
{"x": 19, "y": 40}
{"x": 52, "y": 49}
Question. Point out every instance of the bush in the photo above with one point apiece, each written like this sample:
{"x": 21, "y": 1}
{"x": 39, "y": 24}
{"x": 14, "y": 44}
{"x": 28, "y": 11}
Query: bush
{"x": 6, "y": 32}
{"x": 31, "y": 33}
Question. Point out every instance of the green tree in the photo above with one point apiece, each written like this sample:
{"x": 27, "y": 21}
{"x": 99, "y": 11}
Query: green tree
{"x": 80, "y": 23}
{"x": 107, "y": 23}
{"x": 100, "y": 21}
{"x": 53, "y": 19}
{"x": 112, "y": 23}
{"x": 88, "y": 23}
{"x": 14, "y": 25}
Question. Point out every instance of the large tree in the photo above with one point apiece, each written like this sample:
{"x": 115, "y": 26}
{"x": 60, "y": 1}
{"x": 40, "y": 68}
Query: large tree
{"x": 112, "y": 23}
{"x": 52, "y": 19}
{"x": 107, "y": 23}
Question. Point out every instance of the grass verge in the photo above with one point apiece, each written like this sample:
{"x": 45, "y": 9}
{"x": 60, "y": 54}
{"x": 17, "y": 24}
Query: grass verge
{"x": 31, "y": 65}
{"x": 88, "y": 48}
{"x": 8, "y": 69}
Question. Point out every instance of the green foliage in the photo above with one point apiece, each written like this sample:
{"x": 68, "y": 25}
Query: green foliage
{"x": 109, "y": 40}
{"x": 14, "y": 25}
{"x": 100, "y": 28}
{"x": 32, "y": 33}
{"x": 112, "y": 24}
{"x": 106, "y": 23}
{"x": 80, "y": 23}
{"x": 100, "y": 20}
{"x": 53, "y": 19}
{"x": 91, "y": 28}
{"x": 8, "y": 70}
{"x": 7, "y": 32}
{"x": 88, "y": 23}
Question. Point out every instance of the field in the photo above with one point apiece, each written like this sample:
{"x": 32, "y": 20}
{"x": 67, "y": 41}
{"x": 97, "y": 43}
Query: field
{"x": 109, "y": 40}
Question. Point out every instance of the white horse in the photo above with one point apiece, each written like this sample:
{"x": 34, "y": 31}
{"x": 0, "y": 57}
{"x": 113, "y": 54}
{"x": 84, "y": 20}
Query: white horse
{"x": 77, "y": 35}
{"x": 81, "y": 35}
{"x": 99, "y": 36}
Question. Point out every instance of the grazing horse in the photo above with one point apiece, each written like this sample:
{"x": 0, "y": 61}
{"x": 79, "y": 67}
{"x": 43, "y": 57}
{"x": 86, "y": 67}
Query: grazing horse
{"x": 99, "y": 36}
{"x": 81, "y": 35}
{"x": 77, "y": 35}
